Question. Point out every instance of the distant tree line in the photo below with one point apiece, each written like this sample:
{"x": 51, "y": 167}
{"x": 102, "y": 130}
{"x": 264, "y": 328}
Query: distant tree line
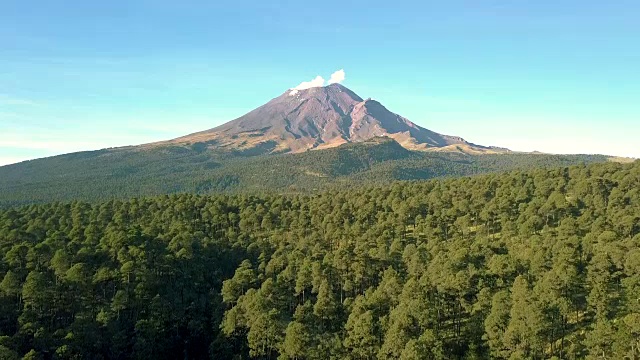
{"x": 135, "y": 172}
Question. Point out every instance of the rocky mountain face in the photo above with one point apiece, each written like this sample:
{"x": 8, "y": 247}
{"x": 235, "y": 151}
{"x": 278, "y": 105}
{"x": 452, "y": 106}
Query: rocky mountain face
{"x": 323, "y": 117}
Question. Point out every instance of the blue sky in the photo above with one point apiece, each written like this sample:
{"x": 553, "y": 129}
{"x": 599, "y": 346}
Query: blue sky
{"x": 556, "y": 76}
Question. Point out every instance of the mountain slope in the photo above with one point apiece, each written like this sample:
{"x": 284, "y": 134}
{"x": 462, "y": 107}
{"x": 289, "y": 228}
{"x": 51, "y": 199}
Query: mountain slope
{"x": 358, "y": 141}
{"x": 319, "y": 118}
{"x": 137, "y": 171}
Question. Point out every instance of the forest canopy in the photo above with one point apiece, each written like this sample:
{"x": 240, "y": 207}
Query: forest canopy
{"x": 528, "y": 264}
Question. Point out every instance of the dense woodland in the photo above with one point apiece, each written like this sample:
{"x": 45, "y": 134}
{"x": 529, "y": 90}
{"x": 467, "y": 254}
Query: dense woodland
{"x": 534, "y": 264}
{"x": 199, "y": 169}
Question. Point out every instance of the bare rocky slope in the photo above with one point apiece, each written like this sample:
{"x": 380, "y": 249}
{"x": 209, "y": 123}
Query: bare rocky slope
{"x": 320, "y": 118}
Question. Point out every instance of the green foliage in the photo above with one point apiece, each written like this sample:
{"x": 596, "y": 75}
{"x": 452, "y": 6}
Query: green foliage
{"x": 150, "y": 171}
{"x": 533, "y": 264}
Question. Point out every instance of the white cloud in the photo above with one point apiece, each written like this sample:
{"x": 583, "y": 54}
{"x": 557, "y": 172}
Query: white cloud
{"x": 59, "y": 143}
{"x": 337, "y": 77}
{"x": 10, "y": 100}
{"x": 318, "y": 81}
{"x": 18, "y": 146}
{"x": 22, "y": 141}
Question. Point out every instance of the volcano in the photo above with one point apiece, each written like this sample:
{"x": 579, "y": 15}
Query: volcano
{"x": 320, "y": 118}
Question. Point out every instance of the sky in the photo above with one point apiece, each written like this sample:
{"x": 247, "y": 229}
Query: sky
{"x": 558, "y": 76}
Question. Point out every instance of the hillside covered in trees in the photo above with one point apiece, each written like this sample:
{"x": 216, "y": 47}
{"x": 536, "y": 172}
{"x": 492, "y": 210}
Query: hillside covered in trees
{"x": 534, "y": 264}
{"x": 138, "y": 171}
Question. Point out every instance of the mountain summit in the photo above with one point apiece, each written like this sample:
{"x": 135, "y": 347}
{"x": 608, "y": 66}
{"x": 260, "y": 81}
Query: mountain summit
{"x": 363, "y": 142}
{"x": 323, "y": 117}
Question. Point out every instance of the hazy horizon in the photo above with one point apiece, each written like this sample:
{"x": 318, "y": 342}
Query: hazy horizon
{"x": 543, "y": 76}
